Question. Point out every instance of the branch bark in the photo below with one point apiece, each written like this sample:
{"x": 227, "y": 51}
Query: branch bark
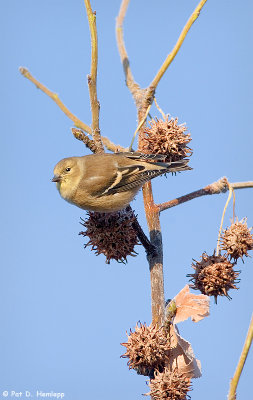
{"x": 143, "y": 99}
{"x": 221, "y": 186}
{"x": 130, "y": 82}
{"x": 156, "y": 261}
{"x": 241, "y": 362}
{"x": 92, "y": 78}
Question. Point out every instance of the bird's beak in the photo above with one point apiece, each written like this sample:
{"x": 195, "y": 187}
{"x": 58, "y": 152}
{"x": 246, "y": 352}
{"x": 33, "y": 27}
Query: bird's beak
{"x": 56, "y": 178}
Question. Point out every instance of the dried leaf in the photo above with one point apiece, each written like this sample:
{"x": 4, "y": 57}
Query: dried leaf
{"x": 182, "y": 357}
{"x": 189, "y": 305}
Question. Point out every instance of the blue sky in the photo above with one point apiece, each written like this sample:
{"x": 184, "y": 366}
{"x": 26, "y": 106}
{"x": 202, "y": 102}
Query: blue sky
{"x": 63, "y": 311}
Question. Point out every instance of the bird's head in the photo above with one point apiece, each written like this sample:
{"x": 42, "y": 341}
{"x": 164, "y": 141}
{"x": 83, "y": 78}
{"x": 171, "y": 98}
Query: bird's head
{"x": 66, "y": 174}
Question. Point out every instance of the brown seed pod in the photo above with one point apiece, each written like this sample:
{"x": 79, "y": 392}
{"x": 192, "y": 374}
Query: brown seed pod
{"x": 111, "y": 234}
{"x": 214, "y": 276}
{"x": 168, "y": 385}
{"x": 237, "y": 240}
{"x": 165, "y": 137}
{"x": 147, "y": 349}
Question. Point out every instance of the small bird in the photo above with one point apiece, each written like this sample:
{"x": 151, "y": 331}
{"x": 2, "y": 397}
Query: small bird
{"x": 109, "y": 182}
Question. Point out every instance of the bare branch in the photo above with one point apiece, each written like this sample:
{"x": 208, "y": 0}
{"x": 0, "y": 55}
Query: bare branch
{"x": 242, "y": 185}
{"x": 92, "y": 78}
{"x": 143, "y": 99}
{"x": 54, "y": 96}
{"x": 79, "y": 134}
{"x": 241, "y": 362}
{"x": 155, "y": 262}
{"x": 177, "y": 46}
{"x": 116, "y": 148}
{"x": 130, "y": 82}
{"x": 221, "y": 186}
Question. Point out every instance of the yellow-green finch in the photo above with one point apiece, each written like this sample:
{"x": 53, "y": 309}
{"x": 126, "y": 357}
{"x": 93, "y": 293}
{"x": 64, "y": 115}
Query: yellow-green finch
{"x": 108, "y": 182}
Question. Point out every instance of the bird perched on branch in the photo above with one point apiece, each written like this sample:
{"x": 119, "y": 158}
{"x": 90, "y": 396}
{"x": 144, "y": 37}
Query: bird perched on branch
{"x": 108, "y": 182}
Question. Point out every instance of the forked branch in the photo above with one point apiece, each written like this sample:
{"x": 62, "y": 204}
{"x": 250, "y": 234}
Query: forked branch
{"x": 143, "y": 99}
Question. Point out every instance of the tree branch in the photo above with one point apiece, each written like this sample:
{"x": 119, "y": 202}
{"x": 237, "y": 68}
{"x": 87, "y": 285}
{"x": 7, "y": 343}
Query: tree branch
{"x": 156, "y": 261}
{"x": 92, "y": 78}
{"x": 130, "y": 82}
{"x": 241, "y": 362}
{"x": 143, "y": 99}
{"x": 177, "y": 46}
{"x": 221, "y": 186}
{"x": 80, "y": 135}
{"x": 54, "y": 96}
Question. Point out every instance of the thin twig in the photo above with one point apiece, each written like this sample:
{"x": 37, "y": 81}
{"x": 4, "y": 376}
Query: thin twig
{"x": 222, "y": 219}
{"x": 77, "y": 122}
{"x": 130, "y": 82}
{"x": 92, "y": 78}
{"x": 221, "y": 186}
{"x": 177, "y": 46}
{"x": 241, "y": 362}
{"x": 54, "y": 96}
{"x": 159, "y": 109}
{"x": 116, "y": 148}
{"x": 233, "y": 206}
{"x": 139, "y": 127}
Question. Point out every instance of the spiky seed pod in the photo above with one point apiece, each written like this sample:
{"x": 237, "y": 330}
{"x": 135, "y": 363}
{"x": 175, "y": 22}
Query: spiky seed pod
{"x": 111, "y": 234}
{"x": 237, "y": 240}
{"x": 214, "y": 276}
{"x": 165, "y": 137}
{"x": 147, "y": 349}
{"x": 169, "y": 385}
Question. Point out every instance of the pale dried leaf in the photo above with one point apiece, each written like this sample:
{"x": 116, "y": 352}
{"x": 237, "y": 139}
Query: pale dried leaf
{"x": 182, "y": 356}
{"x": 189, "y": 305}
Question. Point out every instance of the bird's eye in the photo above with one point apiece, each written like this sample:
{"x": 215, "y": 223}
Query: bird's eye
{"x": 67, "y": 169}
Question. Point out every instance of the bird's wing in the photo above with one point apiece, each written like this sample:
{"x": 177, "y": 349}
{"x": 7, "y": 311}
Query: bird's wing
{"x": 135, "y": 175}
{"x": 132, "y": 176}
{"x": 126, "y": 171}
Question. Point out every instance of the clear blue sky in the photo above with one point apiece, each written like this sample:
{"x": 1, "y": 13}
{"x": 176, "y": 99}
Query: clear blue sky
{"x": 63, "y": 311}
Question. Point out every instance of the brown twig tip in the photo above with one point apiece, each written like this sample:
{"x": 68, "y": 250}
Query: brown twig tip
{"x": 221, "y": 186}
{"x": 80, "y": 135}
{"x": 24, "y": 71}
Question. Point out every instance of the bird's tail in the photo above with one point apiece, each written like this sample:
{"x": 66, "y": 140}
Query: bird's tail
{"x": 176, "y": 166}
